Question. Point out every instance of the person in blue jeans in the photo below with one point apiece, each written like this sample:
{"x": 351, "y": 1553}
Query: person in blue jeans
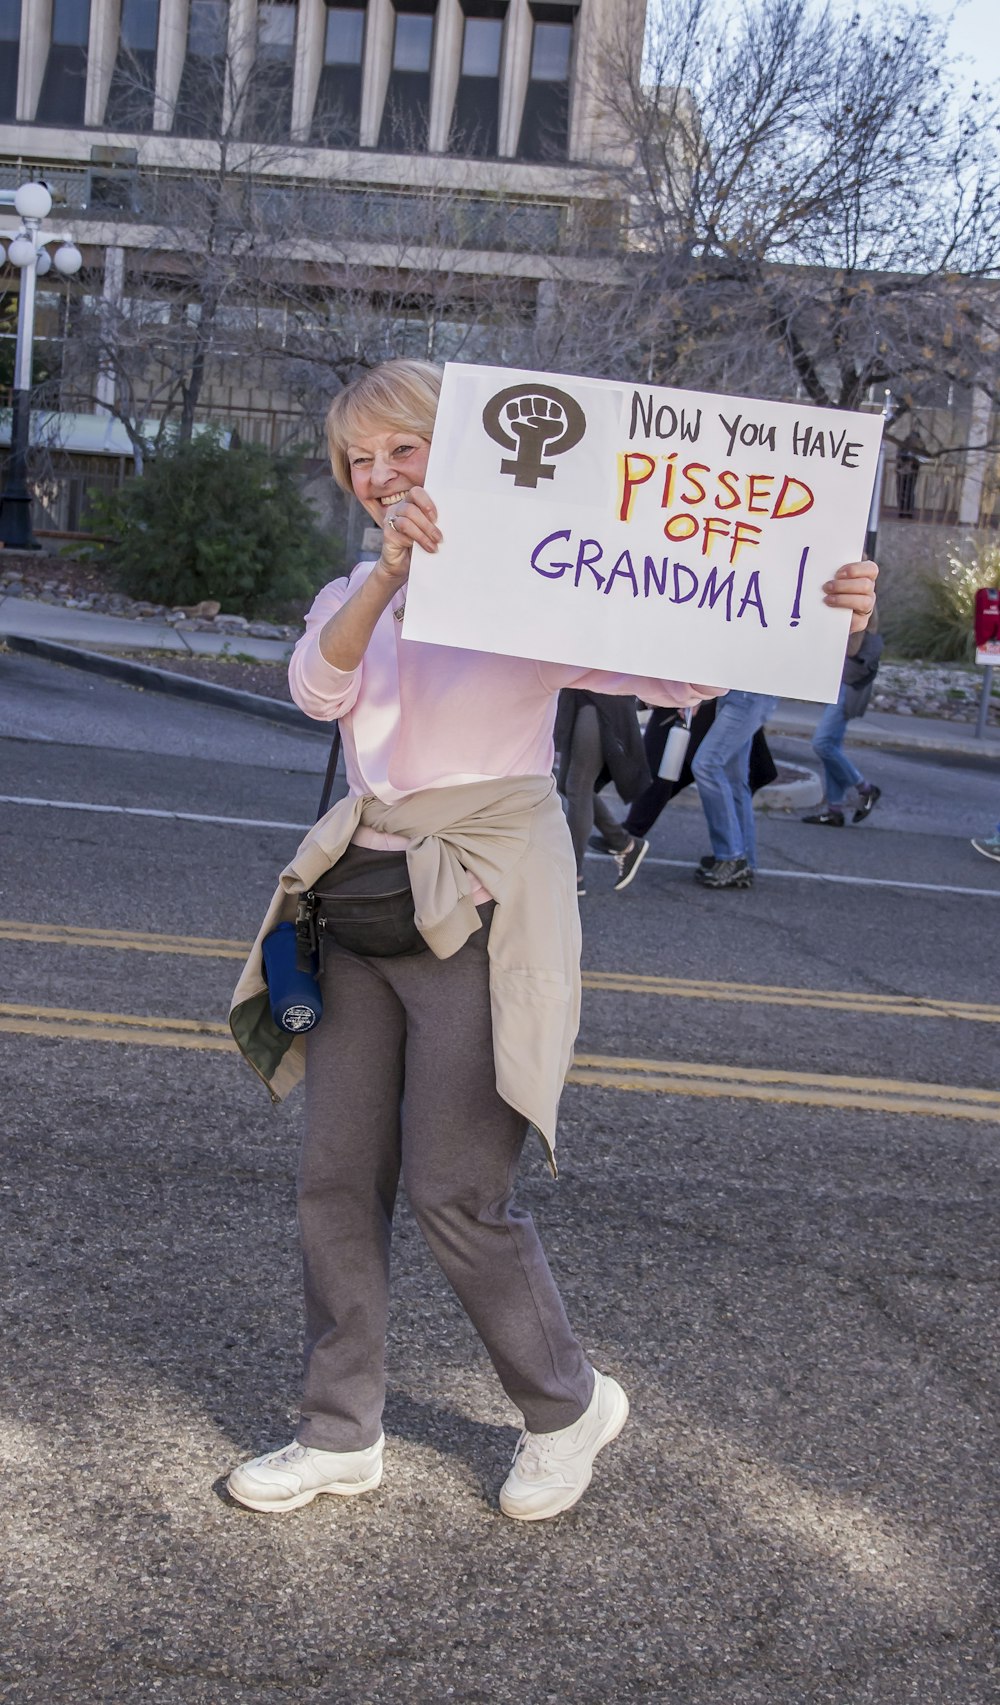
{"x": 721, "y": 770}
{"x": 860, "y": 670}
{"x": 840, "y": 773}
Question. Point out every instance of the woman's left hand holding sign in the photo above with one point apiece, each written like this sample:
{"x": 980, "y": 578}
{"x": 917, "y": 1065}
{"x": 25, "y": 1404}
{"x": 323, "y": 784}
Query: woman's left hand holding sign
{"x": 853, "y": 588}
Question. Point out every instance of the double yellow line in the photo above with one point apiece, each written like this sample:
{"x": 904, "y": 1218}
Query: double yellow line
{"x": 801, "y": 1089}
{"x": 601, "y": 1071}
{"x": 775, "y": 994}
{"x": 609, "y": 982}
{"x": 69, "y": 1024}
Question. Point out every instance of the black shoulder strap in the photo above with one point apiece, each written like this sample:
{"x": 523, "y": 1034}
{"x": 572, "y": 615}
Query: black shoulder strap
{"x": 331, "y": 771}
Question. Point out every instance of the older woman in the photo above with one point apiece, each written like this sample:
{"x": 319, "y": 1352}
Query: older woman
{"x": 431, "y": 1065}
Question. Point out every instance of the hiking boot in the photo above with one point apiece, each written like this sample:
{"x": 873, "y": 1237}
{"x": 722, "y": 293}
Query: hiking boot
{"x": 990, "y": 847}
{"x": 868, "y": 795}
{"x": 706, "y": 861}
{"x": 551, "y": 1471}
{"x": 725, "y": 873}
{"x": 829, "y": 815}
{"x": 628, "y": 862}
{"x": 288, "y": 1478}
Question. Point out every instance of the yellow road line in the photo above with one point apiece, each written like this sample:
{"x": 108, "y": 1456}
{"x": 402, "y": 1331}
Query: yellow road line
{"x": 12, "y": 1009}
{"x": 601, "y": 1071}
{"x": 611, "y": 982}
{"x": 70, "y": 935}
{"x": 774, "y": 994}
{"x": 780, "y": 1094}
{"x": 764, "y": 1076}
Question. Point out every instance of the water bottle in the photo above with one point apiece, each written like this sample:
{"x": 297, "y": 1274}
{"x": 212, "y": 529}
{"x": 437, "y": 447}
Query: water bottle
{"x": 296, "y": 1003}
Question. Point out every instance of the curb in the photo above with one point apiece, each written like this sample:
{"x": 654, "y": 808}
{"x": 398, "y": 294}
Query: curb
{"x": 888, "y": 740}
{"x": 166, "y": 681}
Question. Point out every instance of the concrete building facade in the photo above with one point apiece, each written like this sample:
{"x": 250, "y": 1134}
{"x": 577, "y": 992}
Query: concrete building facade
{"x": 403, "y": 139}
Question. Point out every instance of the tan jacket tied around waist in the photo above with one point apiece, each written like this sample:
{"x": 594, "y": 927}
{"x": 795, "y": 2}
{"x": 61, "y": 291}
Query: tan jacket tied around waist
{"x": 510, "y": 835}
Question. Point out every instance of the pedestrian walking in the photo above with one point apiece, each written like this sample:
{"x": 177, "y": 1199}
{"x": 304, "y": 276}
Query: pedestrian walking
{"x": 721, "y": 770}
{"x": 841, "y": 775}
{"x": 989, "y": 846}
{"x": 443, "y": 890}
{"x": 599, "y": 740}
{"x": 646, "y": 809}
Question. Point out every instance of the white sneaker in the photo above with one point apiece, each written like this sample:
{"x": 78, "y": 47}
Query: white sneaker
{"x": 551, "y": 1471}
{"x": 286, "y": 1479}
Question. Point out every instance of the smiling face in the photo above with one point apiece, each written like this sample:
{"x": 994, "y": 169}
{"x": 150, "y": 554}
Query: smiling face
{"x": 385, "y": 462}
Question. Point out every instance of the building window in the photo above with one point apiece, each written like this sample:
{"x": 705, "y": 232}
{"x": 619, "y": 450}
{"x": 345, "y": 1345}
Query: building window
{"x": 270, "y": 92}
{"x": 475, "y": 124}
{"x": 130, "y": 98}
{"x": 10, "y": 53}
{"x": 408, "y": 97}
{"x": 412, "y": 44}
{"x": 199, "y": 99}
{"x": 337, "y": 119}
{"x": 64, "y": 85}
{"x": 545, "y": 124}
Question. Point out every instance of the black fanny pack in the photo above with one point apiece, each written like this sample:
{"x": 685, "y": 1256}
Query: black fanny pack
{"x": 364, "y": 903}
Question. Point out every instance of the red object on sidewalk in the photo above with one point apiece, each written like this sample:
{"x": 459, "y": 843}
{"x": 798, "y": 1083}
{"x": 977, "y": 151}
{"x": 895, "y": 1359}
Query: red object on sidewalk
{"x": 987, "y": 616}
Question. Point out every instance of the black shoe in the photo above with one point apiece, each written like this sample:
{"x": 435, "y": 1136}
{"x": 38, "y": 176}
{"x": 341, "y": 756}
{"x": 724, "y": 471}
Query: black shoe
{"x": 725, "y": 873}
{"x": 706, "y": 861}
{"x": 833, "y": 819}
{"x": 868, "y": 795}
{"x": 598, "y": 844}
{"x": 580, "y": 889}
{"x": 629, "y": 861}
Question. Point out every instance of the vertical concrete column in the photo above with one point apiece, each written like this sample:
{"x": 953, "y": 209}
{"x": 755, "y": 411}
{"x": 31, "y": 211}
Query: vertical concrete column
{"x": 977, "y": 462}
{"x": 377, "y": 66}
{"x": 36, "y": 34}
{"x": 171, "y": 46}
{"x": 102, "y": 48}
{"x": 112, "y": 294}
{"x": 444, "y": 73}
{"x": 514, "y": 71}
{"x": 241, "y": 51}
{"x": 308, "y": 65}
{"x": 604, "y": 28}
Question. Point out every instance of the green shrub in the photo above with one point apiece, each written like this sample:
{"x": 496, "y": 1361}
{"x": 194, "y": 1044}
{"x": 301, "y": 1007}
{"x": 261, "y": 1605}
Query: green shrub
{"x": 940, "y": 630}
{"x": 206, "y": 522}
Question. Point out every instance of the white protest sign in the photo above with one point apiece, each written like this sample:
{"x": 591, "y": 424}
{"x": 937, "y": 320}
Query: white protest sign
{"x": 646, "y": 531}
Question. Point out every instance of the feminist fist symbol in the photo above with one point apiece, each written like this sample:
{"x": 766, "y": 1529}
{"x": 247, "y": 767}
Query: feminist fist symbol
{"x": 537, "y": 421}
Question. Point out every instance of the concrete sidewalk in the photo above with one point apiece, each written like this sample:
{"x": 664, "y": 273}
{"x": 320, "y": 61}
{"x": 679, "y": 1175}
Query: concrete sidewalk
{"x": 32, "y": 619}
{"x": 59, "y": 631}
{"x": 798, "y": 718}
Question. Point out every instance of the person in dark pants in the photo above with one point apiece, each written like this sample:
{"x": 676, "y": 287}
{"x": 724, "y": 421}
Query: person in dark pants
{"x": 644, "y": 811}
{"x": 452, "y": 817}
{"x": 598, "y": 739}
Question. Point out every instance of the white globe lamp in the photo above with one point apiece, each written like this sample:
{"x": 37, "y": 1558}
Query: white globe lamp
{"x": 67, "y": 260}
{"x": 33, "y": 201}
{"x": 44, "y": 263}
{"x": 21, "y": 252}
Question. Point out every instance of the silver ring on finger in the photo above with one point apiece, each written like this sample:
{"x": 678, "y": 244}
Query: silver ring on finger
{"x": 391, "y": 522}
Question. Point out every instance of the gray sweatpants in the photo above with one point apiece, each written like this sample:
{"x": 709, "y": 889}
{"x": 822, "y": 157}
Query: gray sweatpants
{"x": 400, "y": 1079}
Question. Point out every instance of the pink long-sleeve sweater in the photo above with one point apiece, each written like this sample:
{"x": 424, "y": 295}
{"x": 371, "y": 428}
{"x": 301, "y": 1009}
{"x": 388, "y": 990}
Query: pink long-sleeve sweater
{"x": 415, "y": 716}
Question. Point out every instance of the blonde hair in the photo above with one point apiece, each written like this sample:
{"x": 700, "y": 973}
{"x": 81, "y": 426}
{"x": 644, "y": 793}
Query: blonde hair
{"x": 401, "y": 394}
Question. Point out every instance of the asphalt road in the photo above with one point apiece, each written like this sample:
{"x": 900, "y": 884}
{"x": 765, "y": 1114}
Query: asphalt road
{"x": 775, "y": 1222}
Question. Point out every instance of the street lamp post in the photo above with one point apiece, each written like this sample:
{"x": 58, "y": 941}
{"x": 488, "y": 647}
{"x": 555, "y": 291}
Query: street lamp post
{"x": 29, "y": 253}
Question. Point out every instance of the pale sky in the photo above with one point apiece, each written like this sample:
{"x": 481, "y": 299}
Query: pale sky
{"x": 975, "y": 32}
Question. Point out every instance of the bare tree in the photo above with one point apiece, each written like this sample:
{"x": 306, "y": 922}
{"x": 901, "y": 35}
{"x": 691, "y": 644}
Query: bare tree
{"x": 812, "y": 210}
